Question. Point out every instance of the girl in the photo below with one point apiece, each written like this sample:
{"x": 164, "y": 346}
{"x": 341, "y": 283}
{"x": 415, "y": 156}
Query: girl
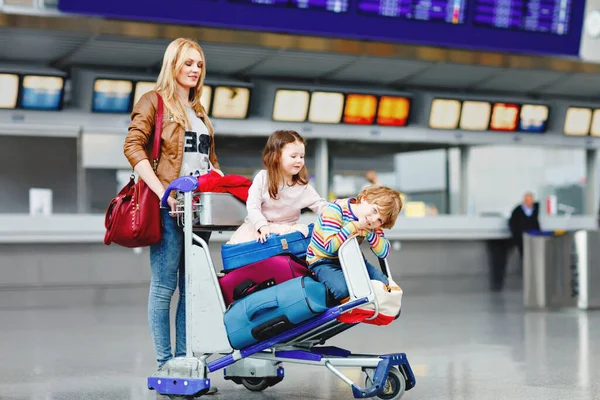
{"x": 279, "y": 193}
{"x": 187, "y": 147}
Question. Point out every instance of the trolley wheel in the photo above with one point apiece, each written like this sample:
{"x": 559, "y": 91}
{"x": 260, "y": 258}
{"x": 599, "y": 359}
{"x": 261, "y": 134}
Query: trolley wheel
{"x": 256, "y": 384}
{"x": 180, "y": 397}
{"x": 394, "y": 387}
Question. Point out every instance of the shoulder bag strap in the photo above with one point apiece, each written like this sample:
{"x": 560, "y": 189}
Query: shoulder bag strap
{"x": 158, "y": 123}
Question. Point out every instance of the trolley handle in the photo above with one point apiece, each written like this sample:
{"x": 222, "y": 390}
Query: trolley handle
{"x": 182, "y": 184}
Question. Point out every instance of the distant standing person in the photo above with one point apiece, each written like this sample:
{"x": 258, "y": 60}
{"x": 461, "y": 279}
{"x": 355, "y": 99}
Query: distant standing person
{"x": 524, "y": 218}
{"x": 371, "y": 177}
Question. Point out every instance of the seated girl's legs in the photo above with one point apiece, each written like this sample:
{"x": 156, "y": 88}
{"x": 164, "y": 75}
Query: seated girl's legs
{"x": 282, "y": 229}
{"x": 332, "y": 276}
{"x": 245, "y": 233}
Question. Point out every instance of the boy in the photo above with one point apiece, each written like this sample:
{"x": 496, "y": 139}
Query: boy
{"x": 376, "y": 207}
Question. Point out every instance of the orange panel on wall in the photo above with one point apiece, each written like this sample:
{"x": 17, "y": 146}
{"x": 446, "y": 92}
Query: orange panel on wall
{"x": 360, "y": 109}
{"x": 393, "y": 111}
{"x": 505, "y": 117}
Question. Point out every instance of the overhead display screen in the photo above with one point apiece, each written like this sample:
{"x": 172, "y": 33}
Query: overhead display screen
{"x": 547, "y": 16}
{"x": 393, "y": 111}
{"x": 263, "y": 2}
{"x": 533, "y": 118}
{"x": 504, "y": 117}
{"x": 326, "y": 107}
{"x": 291, "y": 105}
{"x": 444, "y": 114}
{"x": 206, "y": 97}
{"x": 42, "y": 92}
{"x": 231, "y": 102}
{"x": 475, "y": 115}
{"x": 578, "y": 121}
{"x": 141, "y": 88}
{"x": 360, "y": 109}
{"x": 337, "y": 6}
{"x": 450, "y": 11}
{"x": 10, "y": 90}
{"x": 112, "y": 95}
{"x": 550, "y": 27}
{"x": 595, "y": 129}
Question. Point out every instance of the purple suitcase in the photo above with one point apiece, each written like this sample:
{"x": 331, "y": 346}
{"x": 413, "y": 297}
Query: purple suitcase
{"x": 240, "y": 282}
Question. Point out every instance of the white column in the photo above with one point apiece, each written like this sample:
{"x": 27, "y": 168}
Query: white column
{"x": 591, "y": 187}
{"x": 465, "y": 152}
{"x": 82, "y": 189}
{"x": 322, "y": 168}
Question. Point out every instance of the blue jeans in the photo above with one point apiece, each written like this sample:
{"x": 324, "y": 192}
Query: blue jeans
{"x": 167, "y": 272}
{"x": 329, "y": 272}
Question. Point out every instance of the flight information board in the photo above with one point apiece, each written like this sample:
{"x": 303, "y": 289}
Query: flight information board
{"x": 450, "y": 11}
{"x": 546, "y": 27}
{"x": 263, "y": 2}
{"x": 337, "y": 6}
{"x": 550, "y": 16}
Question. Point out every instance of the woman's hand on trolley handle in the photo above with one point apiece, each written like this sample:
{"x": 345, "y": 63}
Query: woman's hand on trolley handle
{"x": 145, "y": 171}
{"x": 172, "y": 204}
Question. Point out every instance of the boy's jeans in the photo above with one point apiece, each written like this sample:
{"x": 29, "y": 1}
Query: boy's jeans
{"x": 329, "y": 272}
{"x": 168, "y": 271}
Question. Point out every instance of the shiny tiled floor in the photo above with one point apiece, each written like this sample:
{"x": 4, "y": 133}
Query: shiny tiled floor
{"x": 471, "y": 346}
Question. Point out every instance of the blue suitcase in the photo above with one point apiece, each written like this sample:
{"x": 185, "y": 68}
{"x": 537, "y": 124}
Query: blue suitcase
{"x": 271, "y": 311}
{"x": 239, "y": 255}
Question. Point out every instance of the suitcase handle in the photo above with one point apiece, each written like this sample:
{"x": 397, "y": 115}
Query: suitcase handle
{"x": 242, "y": 289}
{"x": 267, "y": 305}
{"x": 247, "y": 287}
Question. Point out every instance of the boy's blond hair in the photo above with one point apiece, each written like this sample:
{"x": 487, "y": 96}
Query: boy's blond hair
{"x": 389, "y": 202}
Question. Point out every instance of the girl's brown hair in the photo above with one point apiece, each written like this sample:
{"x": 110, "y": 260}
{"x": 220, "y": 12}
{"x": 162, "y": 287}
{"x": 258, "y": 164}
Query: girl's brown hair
{"x": 271, "y": 158}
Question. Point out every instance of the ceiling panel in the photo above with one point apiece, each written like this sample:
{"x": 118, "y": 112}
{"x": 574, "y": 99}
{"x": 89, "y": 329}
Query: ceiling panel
{"x": 122, "y": 52}
{"x": 43, "y": 47}
{"x": 451, "y": 75}
{"x": 519, "y": 80}
{"x": 576, "y": 85}
{"x": 301, "y": 64}
{"x": 379, "y": 70}
{"x": 233, "y": 59}
{"x": 37, "y": 45}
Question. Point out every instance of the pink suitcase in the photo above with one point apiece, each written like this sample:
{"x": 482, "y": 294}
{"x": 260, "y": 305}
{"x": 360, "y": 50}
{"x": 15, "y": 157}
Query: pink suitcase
{"x": 240, "y": 282}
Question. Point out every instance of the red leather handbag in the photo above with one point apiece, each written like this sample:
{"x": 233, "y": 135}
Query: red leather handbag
{"x": 133, "y": 217}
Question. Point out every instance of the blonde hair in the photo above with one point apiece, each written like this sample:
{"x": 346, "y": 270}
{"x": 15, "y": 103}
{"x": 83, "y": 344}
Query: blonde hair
{"x": 271, "y": 158}
{"x": 166, "y": 84}
{"x": 389, "y": 202}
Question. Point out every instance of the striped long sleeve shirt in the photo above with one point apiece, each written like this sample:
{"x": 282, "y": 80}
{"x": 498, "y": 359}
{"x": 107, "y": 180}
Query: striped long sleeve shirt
{"x": 335, "y": 225}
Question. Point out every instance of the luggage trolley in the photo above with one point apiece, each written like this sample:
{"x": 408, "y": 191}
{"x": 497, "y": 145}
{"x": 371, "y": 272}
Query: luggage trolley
{"x": 259, "y": 365}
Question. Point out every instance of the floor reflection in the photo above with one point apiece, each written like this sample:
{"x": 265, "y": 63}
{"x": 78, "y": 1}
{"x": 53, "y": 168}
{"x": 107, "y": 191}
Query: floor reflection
{"x": 468, "y": 346}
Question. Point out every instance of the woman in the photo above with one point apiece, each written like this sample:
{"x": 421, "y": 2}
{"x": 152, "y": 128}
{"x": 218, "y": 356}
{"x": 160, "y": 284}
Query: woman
{"x": 187, "y": 148}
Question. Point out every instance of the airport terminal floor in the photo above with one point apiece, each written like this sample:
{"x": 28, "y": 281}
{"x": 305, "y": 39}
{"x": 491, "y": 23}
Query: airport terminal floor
{"x": 462, "y": 344}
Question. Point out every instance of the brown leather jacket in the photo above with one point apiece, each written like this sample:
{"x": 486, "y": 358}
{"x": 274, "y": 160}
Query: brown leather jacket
{"x": 138, "y": 143}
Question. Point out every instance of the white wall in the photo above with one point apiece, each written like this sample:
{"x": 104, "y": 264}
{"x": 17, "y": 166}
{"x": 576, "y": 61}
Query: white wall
{"x": 500, "y": 175}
